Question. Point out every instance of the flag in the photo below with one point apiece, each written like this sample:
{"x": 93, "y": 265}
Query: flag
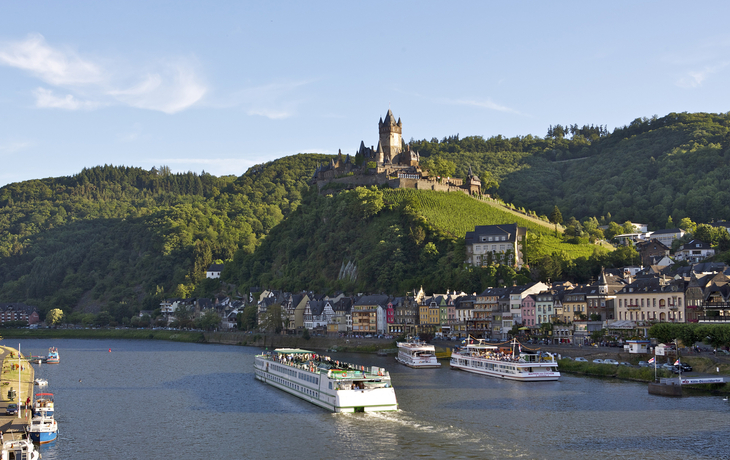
{"x": 676, "y": 363}
{"x": 651, "y": 360}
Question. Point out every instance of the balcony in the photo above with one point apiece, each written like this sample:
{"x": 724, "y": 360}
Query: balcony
{"x": 713, "y": 319}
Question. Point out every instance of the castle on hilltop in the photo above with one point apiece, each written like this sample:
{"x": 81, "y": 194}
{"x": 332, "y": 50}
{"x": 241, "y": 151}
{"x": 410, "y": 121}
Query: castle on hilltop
{"x": 392, "y": 162}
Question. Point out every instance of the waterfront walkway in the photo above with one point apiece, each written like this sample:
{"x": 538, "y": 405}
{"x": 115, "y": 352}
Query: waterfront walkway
{"x": 9, "y": 379}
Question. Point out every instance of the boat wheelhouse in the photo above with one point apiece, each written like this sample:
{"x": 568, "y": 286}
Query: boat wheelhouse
{"x": 43, "y": 404}
{"x": 512, "y": 363}
{"x": 417, "y": 354}
{"x": 334, "y": 385}
{"x": 53, "y": 357}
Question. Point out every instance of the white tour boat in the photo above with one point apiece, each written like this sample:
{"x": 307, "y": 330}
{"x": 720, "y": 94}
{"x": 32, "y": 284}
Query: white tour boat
{"x": 17, "y": 446}
{"x": 417, "y": 354}
{"x": 513, "y": 364}
{"x": 40, "y": 382}
{"x": 328, "y": 383}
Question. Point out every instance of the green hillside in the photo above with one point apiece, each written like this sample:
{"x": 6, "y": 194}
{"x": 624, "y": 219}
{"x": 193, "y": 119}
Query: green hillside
{"x": 677, "y": 165}
{"x": 458, "y": 213}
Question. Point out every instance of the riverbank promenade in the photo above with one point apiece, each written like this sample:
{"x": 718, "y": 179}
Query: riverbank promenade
{"x": 8, "y": 381}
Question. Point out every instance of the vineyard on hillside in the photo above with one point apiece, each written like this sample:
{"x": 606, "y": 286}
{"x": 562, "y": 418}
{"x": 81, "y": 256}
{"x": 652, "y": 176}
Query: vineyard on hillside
{"x": 457, "y": 213}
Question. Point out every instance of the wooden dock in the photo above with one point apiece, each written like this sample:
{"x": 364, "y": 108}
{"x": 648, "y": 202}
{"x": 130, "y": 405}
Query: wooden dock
{"x": 8, "y": 381}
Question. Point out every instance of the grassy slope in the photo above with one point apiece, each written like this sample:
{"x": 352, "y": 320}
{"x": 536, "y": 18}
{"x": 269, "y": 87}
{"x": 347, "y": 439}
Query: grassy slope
{"x": 457, "y": 213}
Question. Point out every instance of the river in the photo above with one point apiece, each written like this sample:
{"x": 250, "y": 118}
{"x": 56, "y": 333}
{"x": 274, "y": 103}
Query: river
{"x": 152, "y": 399}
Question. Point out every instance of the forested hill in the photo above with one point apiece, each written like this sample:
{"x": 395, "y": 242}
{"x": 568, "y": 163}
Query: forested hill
{"x": 123, "y": 237}
{"x": 393, "y": 241}
{"x": 677, "y": 165}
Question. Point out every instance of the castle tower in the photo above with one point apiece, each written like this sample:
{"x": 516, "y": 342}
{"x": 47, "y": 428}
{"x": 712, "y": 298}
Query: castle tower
{"x": 473, "y": 183}
{"x": 390, "y": 135}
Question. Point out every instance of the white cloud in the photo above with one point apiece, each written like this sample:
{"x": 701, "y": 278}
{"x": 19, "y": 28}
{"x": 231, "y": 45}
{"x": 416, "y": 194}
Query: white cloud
{"x": 50, "y": 65}
{"x": 175, "y": 88}
{"x": 46, "y": 99}
{"x": 166, "y": 86}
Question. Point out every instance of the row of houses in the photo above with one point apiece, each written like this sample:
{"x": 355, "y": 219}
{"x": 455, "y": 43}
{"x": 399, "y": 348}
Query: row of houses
{"x": 18, "y": 311}
{"x": 632, "y": 299}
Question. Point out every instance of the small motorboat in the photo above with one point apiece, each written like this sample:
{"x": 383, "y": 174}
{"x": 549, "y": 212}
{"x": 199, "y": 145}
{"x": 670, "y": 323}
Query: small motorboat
{"x": 16, "y": 445}
{"x": 53, "y": 357}
{"x": 40, "y": 382}
{"x": 43, "y": 405}
{"x": 42, "y": 429}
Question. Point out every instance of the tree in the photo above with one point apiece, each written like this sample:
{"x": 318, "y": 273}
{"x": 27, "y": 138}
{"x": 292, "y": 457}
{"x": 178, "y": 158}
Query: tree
{"x": 687, "y": 225}
{"x": 272, "y": 319}
{"x": 54, "y": 317}
{"x": 209, "y": 320}
{"x": 556, "y": 217}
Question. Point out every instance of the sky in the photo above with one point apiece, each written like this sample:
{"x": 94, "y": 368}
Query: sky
{"x": 223, "y": 86}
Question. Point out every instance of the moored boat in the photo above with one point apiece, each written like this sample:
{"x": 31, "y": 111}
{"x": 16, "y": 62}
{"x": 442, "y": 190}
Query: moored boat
{"x": 43, "y": 404}
{"x": 53, "y": 357}
{"x": 17, "y": 446}
{"x": 417, "y": 354}
{"x": 40, "y": 382}
{"x": 42, "y": 429}
{"x": 334, "y": 385}
{"x": 512, "y": 364}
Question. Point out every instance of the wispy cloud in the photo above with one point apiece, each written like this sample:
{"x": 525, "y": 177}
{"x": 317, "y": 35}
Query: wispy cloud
{"x": 484, "y": 104}
{"x": 480, "y": 103}
{"x": 695, "y": 78}
{"x": 274, "y": 100}
{"x": 215, "y": 166}
{"x": 46, "y": 99}
{"x": 13, "y": 147}
{"x": 167, "y": 86}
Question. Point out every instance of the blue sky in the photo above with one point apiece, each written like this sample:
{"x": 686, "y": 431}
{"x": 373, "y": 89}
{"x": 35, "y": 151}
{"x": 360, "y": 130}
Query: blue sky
{"x": 221, "y": 86}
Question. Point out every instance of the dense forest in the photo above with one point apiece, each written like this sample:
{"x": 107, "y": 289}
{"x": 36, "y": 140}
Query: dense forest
{"x": 121, "y": 238}
{"x": 675, "y": 166}
{"x": 118, "y": 239}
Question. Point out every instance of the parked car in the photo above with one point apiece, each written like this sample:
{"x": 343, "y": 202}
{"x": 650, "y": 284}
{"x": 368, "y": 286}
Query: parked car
{"x": 581, "y": 359}
{"x": 624, "y": 363}
{"x": 598, "y": 361}
{"x": 685, "y": 368}
{"x": 12, "y": 409}
{"x": 643, "y": 364}
{"x": 610, "y": 361}
{"x": 668, "y": 366}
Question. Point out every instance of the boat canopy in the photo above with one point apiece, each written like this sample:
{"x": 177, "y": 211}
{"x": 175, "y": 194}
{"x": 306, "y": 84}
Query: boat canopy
{"x": 292, "y": 351}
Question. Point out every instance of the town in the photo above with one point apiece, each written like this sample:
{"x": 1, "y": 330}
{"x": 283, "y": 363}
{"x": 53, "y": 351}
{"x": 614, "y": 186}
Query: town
{"x": 622, "y": 302}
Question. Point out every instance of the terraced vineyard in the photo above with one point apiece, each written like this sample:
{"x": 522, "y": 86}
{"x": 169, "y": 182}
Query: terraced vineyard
{"x": 457, "y": 213}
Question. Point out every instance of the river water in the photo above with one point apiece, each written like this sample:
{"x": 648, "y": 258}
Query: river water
{"x": 160, "y": 400}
